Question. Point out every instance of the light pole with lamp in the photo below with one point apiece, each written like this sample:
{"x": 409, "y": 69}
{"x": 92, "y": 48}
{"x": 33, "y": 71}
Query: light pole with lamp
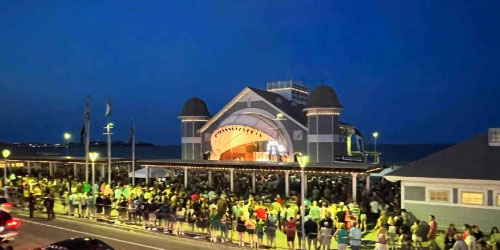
{"x": 67, "y": 137}
{"x": 93, "y": 157}
{"x": 5, "y": 154}
{"x": 375, "y": 135}
{"x": 303, "y": 161}
{"x": 108, "y": 128}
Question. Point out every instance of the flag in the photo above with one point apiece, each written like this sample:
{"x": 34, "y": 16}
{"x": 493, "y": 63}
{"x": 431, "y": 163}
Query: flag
{"x": 132, "y": 134}
{"x": 108, "y": 108}
{"x": 86, "y": 112}
{"x": 86, "y": 118}
{"x": 83, "y": 134}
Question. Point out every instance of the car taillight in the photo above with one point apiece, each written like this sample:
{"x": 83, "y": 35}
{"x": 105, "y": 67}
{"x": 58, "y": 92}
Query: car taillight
{"x": 13, "y": 223}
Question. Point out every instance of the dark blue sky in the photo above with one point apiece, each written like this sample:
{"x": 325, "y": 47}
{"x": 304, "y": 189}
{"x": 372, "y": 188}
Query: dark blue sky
{"x": 417, "y": 71}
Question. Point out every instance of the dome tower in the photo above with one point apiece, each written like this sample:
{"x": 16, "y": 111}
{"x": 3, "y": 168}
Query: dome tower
{"x": 193, "y": 116}
{"x": 323, "y": 110}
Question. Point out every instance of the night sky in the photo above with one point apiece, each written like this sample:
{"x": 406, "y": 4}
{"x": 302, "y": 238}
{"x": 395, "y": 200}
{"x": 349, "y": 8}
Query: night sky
{"x": 416, "y": 71}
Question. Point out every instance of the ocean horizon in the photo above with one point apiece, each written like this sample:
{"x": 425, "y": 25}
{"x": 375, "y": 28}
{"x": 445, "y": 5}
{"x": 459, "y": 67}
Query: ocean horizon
{"x": 392, "y": 154}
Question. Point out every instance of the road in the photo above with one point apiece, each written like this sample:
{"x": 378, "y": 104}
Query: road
{"x": 39, "y": 232}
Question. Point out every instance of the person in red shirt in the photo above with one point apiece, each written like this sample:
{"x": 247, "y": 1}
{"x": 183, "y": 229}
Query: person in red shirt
{"x": 194, "y": 196}
{"x": 261, "y": 212}
{"x": 290, "y": 227}
{"x": 466, "y": 232}
{"x": 279, "y": 200}
{"x": 432, "y": 232}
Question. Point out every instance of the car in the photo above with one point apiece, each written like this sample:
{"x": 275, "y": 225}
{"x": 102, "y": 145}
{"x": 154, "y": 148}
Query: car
{"x": 80, "y": 243}
{"x": 5, "y": 204}
{"x": 8, "y": 226}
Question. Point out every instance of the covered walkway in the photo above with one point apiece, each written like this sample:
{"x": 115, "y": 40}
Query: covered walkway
{"x": 353, "y": 170}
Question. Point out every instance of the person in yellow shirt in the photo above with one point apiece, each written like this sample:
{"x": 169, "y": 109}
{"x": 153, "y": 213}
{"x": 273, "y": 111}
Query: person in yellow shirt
{"x": 323, "y": 210}
{"x": 108, "y": 191}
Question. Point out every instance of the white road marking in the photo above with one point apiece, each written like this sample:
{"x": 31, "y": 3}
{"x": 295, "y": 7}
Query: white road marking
{"x": 91, "y": 234}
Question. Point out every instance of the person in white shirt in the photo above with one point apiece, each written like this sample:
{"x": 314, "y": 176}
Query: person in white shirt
{"x": 471, "y": 242}
{"x": 374, "y": 209}
{"x": 459, "y": 243}
{"x": 355, "y": 237}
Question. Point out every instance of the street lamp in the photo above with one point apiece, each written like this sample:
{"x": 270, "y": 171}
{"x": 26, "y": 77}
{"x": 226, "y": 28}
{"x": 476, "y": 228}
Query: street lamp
{"x": 303, "y": 161}
{"x": 5, "y": 154}
{"x": 108, "y": 128}
{"x": 93, "y": 157}
{"x": 375, "y": 135}
{"x": 67, "y": 137}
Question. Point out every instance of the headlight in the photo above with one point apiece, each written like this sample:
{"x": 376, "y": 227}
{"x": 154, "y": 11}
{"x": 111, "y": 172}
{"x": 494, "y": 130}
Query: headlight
{"x": 1, "y": 229}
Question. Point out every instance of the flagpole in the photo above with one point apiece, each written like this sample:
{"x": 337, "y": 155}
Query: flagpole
{"x": 109, "y": 126}
{"x": 108, "y": 132}
{"x": 133, "y": 155}
{"x": 87, "y": 144}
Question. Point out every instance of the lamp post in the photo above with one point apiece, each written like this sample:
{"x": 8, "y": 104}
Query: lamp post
{"x": 375, "y": 135}
{"x": 5, "y": 154}
{"x": 67, "y": 137}
{"x": 93, "y": 157}
{"x": 108, "y": 128}
{"x": 303, "y": 161}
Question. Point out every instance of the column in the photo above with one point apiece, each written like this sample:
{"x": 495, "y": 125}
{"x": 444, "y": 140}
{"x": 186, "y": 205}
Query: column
{"x": 75, "y": 170}
{"x": 185, "y": 177}
{"x": 210, "y": 180}
{"x": 28, "y": 163}
{"x": 147, "y": 175}
{"x": 403, "y": 194}
{"x": 287, "y": 183}
{"x": 50, "y": 169}
{"x": 103, "y": 172}
{"x": 367, "y": 183}
{"x": 55, "y": 168}
{"x": 253, "y": 182}
{"x": 305, "y": 184}
{"x": 354, "y": 186}
{"x": 231, "y": 179}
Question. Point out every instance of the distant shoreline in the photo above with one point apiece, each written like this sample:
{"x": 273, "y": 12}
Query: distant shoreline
{"x": 392, "y": 154}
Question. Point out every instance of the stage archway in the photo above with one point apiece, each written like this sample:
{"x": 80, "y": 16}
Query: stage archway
{"x": 250, "y": 136}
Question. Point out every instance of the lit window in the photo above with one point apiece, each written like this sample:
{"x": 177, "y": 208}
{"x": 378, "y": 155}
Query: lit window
{"x": 498, "y": 200}
{"x": 494, "y": 137}
{"x": 439, "y": 195}
{"x": 472, "y": 198}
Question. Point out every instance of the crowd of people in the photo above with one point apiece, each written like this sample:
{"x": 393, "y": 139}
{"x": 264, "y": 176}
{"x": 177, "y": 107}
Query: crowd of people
{"x": 404, "y": 231}
{"x": 254, "y": 220}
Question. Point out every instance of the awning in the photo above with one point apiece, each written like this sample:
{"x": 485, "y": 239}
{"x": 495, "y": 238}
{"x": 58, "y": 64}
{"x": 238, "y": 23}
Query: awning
{"x": 153, "y": 173}
{"x": 385, "y": 171}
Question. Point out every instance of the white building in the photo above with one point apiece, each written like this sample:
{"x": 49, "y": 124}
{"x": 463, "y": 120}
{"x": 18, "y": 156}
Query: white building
{"x": 460, "y": 184}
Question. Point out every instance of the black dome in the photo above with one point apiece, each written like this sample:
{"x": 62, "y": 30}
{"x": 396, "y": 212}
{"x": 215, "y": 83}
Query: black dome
{"x": 195, "y": 107}
{"x": 323, "y": 97}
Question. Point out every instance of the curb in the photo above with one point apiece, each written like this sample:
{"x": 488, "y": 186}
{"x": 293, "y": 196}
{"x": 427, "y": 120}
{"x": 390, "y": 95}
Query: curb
{"x": 192, "y": 240}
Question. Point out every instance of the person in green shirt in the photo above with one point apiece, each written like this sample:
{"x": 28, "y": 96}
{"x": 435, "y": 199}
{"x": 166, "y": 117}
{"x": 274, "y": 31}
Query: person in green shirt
{"x": 417, "y": 240}
{"x": 342, "y": 236}
{"x": 355, "y": 211}
{"x": 259, "y": 229}
{"x": 290, "y": 211}
{"x": 126, "y": 191}
{"x": 87, "y": 187}
{"x": 494, "y": 241}
{"x": 214, "y": 219}
{"x": 314, "y": 211}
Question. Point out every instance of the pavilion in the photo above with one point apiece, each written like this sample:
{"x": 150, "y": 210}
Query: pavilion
{"x": 257, "y": 132}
